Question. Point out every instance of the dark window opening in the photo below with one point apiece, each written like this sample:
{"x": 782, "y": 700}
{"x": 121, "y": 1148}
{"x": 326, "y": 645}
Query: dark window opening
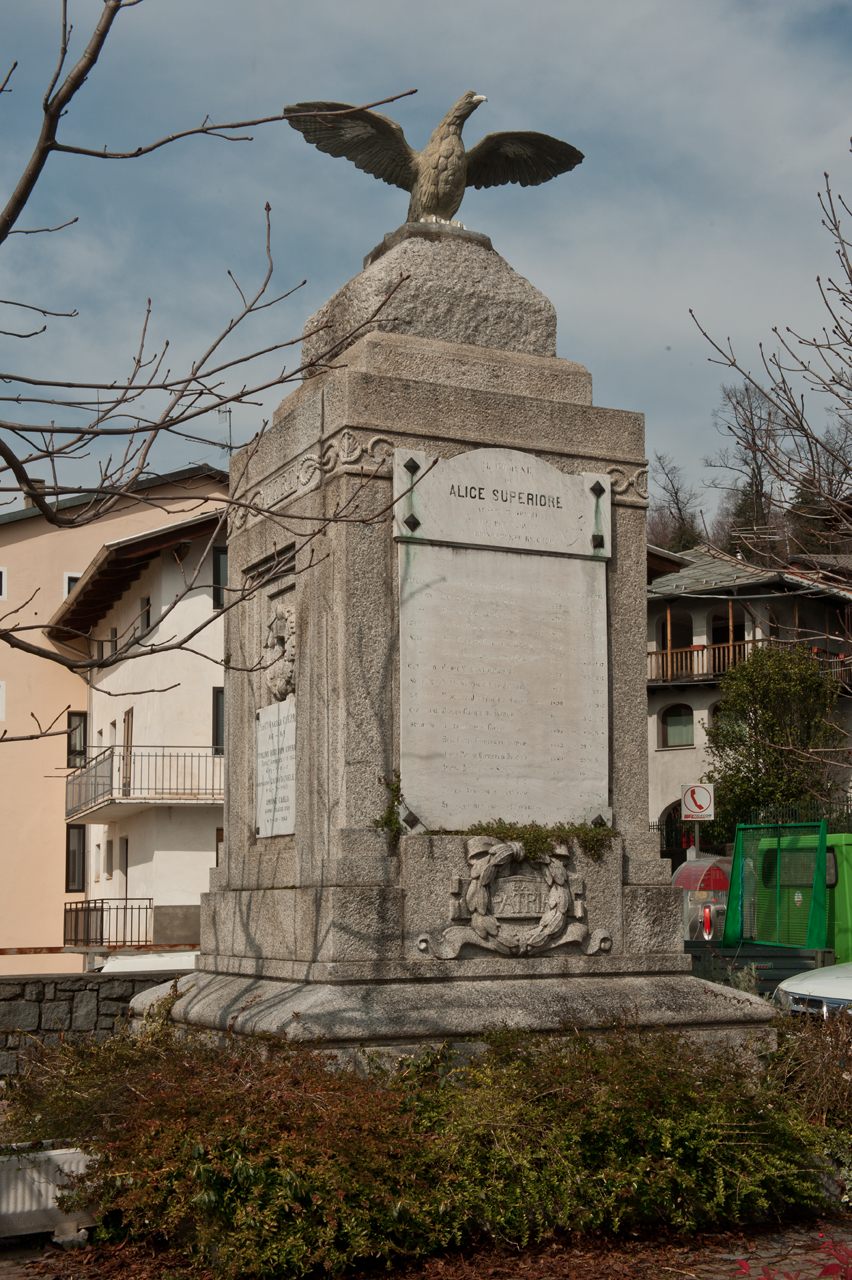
{"x": 678, "y": 727}
{"x": 721, "y": 629}
{"x": 218, "y": 722}
{"x": 113, "y": 639}
{"x": 220, "y": 840}
{"x": 75, "y": 859}
{"x": 77, "y": 739}
{"x": 145, "y": 612}
{"x": 681, "y": 632}
{"x": 220, "y": 576}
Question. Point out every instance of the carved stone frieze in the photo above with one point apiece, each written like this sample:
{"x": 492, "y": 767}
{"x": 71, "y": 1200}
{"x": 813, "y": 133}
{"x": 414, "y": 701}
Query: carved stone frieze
{"x": 629, "y": 485}
{"x": 344, "y": 453}
{"x": 279, "y": 652}
{"x": 516, "y": 915}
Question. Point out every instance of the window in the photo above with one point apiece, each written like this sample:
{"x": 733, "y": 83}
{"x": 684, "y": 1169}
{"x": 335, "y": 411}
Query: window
{"x": 108, "y": 861}
{"x": 75, "y": 859}
{"x": 77, "y": 740}
{"x": 70, "y": 582}
{"x": 218, "y": 722}
{"x": 113, "y": 639}
{"x": 220, "y": 840}
{"x": 144, "y": 613}
{"x": 220, "y": 576}
{"x": 127, "y": 754}
{"x": 681, "y": 630}
{"x": 2, "y": 584}
{"x": 677, "y": 726}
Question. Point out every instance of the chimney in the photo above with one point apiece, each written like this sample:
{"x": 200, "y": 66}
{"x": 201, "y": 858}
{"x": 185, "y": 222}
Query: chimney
{"x": 34, "y": 484}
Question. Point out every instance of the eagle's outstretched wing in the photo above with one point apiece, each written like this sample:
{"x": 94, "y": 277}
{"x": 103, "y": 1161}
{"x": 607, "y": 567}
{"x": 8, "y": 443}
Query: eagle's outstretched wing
{"x": 373, "y": 142}
{"x": 527, "y": 158}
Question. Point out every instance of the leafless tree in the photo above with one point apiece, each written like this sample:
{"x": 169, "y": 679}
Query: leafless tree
{"x": 792, "y": 420}
{"x": 54, "y": 422}
{"x": 749, "y": 519}
{"x": 673, "y": 514}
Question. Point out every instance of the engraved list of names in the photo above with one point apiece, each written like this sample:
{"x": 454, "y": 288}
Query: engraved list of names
{"x": 503, "y": 671}
{"x": 275, "y": 769}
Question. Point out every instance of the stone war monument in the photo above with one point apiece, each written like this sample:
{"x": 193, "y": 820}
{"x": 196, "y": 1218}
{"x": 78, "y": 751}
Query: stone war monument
{"x": 471, "y": 617}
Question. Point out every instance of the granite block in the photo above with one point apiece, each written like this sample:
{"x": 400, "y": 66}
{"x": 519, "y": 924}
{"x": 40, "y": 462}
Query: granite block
{"x": 55, "y": 1015}
{"x": 116, "y": 989}
{"x": 85, "y": 1011}
{"x": 19, "y": 1015}
{"x": 653, "y": 919}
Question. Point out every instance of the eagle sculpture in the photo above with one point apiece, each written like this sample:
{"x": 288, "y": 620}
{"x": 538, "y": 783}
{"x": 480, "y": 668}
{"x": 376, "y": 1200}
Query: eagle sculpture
{"x": 438, "y": 176}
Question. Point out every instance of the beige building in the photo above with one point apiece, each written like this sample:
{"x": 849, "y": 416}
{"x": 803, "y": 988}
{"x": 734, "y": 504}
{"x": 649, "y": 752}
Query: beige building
{"x": 145, "y": 807}
{"x": 40, "y": 565}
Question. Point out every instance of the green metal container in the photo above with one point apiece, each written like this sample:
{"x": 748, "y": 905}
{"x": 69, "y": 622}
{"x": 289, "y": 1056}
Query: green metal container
{"x": 778, "y": 894}
{"x": 838, "y": 878}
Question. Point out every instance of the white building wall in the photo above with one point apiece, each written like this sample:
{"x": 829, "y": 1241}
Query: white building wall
{"x": 671, "y": 768}
{"x": 171, "y": 693}
{"x": 171, "y": 848}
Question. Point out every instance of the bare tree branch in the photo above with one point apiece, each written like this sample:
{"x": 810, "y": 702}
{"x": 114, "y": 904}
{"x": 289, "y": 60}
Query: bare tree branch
{"x": 38, "y": 231}
{"x": 102, "y": 425}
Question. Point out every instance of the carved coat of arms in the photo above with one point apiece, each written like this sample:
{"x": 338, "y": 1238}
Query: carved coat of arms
{"x": 517, "y": 915}
{"x": 279, "y": 652}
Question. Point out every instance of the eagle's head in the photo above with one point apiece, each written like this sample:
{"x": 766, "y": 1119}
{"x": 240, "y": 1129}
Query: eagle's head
{"x": 465, "y": 106}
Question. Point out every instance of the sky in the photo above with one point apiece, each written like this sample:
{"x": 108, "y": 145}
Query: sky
{"x": 706, "y": 125}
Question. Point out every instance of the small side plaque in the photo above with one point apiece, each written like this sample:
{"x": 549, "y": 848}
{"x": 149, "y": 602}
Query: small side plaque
{"x": 275, "y": 769}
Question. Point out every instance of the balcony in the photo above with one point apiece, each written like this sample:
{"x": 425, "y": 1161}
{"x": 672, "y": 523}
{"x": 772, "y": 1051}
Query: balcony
{"x": 130, "y": 924}
{"x": 710, "y": 661}
{"x": 121, "y": 781}
{"x": 108, "y": 923}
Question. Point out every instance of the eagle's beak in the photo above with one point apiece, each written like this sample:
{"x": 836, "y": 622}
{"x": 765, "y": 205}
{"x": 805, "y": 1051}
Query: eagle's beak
{"x": 479, "y": 97}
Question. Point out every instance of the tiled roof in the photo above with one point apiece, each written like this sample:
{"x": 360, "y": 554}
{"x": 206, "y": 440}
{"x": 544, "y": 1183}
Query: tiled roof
{"x": 709, "y": 569}
{"x": 712, "y": 571}
{"x": 145, "y": 482}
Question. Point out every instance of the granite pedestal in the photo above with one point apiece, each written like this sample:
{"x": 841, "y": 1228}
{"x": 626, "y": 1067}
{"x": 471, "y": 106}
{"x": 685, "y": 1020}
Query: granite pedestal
{"x": 450, "y": 538}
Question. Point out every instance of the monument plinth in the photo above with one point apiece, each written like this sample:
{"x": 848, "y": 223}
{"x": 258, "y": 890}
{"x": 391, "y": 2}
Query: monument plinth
{"x": 471, "y": 615}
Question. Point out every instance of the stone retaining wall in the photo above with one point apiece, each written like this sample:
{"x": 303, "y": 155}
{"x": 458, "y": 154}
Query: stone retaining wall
{"x": 44, "y": 1005}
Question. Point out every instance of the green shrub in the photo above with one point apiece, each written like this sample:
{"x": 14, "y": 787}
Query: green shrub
{"x": 278, "y": 1163}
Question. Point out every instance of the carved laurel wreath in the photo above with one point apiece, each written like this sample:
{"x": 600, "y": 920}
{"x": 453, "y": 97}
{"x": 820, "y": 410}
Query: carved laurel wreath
{"x": 486, "y": 856}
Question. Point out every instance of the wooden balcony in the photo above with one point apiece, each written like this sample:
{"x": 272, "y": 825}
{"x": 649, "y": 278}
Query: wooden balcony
{"x": 711, "y": 661}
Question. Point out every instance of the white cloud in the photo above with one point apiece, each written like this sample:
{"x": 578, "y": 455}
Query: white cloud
{"x": 706, "y": 130}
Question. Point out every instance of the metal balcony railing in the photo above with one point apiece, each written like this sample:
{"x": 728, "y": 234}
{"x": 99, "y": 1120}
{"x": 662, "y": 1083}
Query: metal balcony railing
{"x": 167, "y": 774}
{"x": 710, "y": 661}
{"x": 108, "y": 922}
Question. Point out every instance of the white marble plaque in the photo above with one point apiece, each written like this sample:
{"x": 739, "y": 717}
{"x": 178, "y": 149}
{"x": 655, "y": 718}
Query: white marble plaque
{"x": 503, "y": 641}
{"x": 275, "y": 769}
{"x": 503, "y": 686}
{"x": 501, "y": 498}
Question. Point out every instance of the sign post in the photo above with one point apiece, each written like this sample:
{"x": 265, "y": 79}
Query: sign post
{"x": 698, "y": 804}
